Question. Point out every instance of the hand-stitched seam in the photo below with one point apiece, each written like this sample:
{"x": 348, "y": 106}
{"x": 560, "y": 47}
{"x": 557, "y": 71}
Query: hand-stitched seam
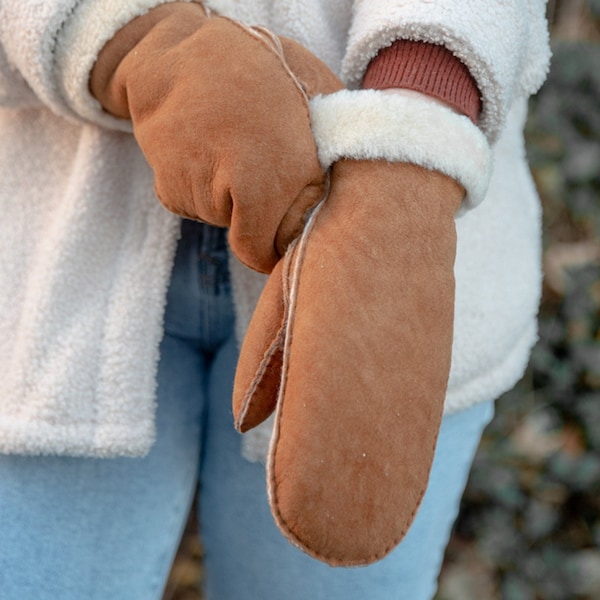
{"x": 282, "y": 523}
{"x": 261, "y": 39}
{"x": 274, "y": 346}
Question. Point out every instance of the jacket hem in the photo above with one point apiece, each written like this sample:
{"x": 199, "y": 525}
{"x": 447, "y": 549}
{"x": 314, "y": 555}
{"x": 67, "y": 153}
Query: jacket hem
{"x": 30, "y": 438}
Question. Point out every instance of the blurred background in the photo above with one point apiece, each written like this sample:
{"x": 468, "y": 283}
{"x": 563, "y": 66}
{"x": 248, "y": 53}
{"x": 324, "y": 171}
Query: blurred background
{"x": 529, "y": 526}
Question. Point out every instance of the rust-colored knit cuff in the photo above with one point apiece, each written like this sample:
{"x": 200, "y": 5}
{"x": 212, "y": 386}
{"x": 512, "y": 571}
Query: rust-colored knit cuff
{"x": 426, "y": 68}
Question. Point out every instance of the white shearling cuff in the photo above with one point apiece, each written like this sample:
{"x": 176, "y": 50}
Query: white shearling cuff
{"x": 371, "y": 125}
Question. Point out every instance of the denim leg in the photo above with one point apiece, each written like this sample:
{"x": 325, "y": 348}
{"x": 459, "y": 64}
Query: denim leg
{"x": 99, "y": 529}
{"x": 74, "y": 528}
{"x": 247, "y": 558}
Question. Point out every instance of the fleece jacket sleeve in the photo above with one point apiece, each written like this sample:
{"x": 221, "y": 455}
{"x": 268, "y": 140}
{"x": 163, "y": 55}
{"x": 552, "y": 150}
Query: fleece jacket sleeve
{"x": 28, "y": 33}
{"x": 14, "y": 91}
{"x": 503, "y": 43}
{"x": 48, "y": 48}
{"x": 503, "y": 47}
{"x": 426, "y": 68}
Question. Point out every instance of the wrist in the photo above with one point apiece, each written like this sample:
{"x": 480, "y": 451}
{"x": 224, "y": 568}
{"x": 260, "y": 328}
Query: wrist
{"x": 428, "y": 69}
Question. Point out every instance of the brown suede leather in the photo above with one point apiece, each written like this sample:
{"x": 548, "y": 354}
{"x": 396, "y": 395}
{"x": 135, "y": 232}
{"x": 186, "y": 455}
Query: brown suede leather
{"x": 367, "y": 299}
{"x": 222, "y": 120}
{"x": 258, "y": 372}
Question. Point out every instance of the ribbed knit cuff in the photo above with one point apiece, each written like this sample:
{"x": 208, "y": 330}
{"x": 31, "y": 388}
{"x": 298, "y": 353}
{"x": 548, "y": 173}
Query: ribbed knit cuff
{"x": 426, "y": 68}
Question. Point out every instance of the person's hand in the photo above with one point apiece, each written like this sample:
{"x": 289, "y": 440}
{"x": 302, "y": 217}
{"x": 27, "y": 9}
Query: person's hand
{"x": 351, "y": 344}
{"x": 221, "y": 113}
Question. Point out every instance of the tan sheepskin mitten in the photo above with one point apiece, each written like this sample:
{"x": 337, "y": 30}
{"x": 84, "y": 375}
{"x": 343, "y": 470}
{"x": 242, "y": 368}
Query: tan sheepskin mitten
{"x": 359, "y": 361}
{"x": 221, "y": 112}
{"x": 350, "y": 343}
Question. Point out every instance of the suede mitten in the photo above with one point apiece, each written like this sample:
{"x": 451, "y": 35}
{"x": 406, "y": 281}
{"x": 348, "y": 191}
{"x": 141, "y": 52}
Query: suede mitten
{"x": 220, "y": 111}
{"x": 357, "y": 362}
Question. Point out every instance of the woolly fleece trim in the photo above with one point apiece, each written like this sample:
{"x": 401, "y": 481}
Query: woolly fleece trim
{"x": 371, "y": 125}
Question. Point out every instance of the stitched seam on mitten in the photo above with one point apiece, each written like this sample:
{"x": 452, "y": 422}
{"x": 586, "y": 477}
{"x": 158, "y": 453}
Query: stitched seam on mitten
{"x": 261, "y": 39}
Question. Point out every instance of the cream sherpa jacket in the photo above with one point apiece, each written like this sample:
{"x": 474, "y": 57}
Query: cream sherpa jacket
{"x": 86, "y": 250}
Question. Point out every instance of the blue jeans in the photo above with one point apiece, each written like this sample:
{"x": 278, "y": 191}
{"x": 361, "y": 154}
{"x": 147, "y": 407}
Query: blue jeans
{"x": 73, "y": 528}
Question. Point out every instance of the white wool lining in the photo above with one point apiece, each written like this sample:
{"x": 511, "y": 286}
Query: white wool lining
{"x": 371, "y": 125}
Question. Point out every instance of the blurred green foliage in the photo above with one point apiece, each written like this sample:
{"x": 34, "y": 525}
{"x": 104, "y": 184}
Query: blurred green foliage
{"x": 563, "y": 135}
{"x": 529, "y": 527}
{"x": 594, "y": 6}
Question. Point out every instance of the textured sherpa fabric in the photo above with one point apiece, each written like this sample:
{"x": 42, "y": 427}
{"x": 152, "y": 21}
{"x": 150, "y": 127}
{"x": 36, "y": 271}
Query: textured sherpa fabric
{"x": 86, "y": 253}
{"x": 503, "y": 43}
{"x": 43, "y": 42}
{"x": 403, "y": 127}
{"x": 86, "y": 249}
